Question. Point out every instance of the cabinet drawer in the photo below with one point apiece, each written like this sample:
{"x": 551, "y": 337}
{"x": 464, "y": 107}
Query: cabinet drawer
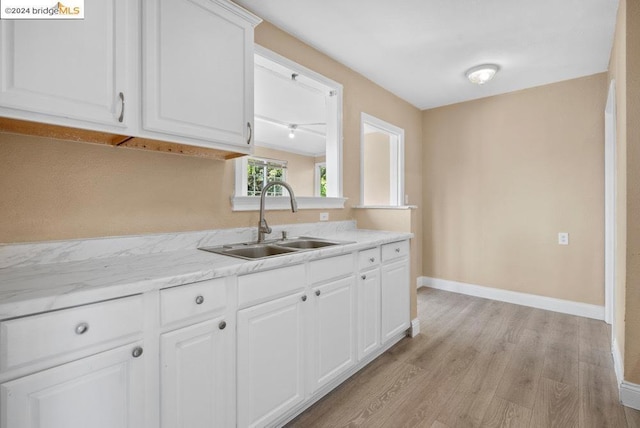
{"x": 395, "y": 250}
{"x": 333, "y": 267}
{"x": 38, "y": 337}
{"x": 271, "y": 283}
{"x": 186, "y": 301}
{"x": 368, "y": 258}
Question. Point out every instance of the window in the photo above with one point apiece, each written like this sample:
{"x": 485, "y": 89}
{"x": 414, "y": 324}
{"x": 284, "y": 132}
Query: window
{"x": 298, "y": 119}
{"x": 381, "y": 163}
{"x": 321, "y": 180}
{"x": 262, "y": 171}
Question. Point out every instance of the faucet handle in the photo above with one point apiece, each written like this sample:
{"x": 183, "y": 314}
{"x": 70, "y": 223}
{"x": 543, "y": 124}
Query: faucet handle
{"x": 284, "y": 234}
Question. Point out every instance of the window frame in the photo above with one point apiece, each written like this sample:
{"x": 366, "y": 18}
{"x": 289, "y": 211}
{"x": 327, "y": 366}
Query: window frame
{"x": 334, "y": 152}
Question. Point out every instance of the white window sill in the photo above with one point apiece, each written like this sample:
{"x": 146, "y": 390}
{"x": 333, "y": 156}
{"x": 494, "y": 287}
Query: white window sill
{"x": 385, "y": 207}
{"x": 252, "y": 203}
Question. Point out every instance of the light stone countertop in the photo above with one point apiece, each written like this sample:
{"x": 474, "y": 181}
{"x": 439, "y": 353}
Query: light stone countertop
{"x": 27, "y": 288}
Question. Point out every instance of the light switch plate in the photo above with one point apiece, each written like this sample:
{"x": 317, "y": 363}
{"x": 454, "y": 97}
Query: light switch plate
{"x": 563, "y": 238}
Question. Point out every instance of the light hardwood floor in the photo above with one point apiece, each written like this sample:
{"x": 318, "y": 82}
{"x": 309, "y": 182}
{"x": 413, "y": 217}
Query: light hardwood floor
{"x": 482, "y": 363}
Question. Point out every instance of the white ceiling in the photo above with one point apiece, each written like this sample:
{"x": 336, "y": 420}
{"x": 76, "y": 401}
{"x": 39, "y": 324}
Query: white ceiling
{"x": 280, "y": 102}
{"x": 420, "y": 49}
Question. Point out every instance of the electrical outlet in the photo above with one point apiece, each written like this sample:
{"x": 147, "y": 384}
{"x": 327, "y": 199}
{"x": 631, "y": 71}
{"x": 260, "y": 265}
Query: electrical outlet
{"x": 324, "y": 216}
{"x": 563, "y": 238}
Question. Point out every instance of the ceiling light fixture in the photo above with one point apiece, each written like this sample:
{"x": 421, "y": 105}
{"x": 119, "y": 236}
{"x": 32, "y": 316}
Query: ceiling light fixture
{"x": 481, "y": 74}
{"x": 292, "y": 129}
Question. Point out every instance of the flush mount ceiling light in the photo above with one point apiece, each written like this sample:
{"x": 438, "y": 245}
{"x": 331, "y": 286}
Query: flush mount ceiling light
{"x": 481, "y": 74}
{"x": 292, "y": 129}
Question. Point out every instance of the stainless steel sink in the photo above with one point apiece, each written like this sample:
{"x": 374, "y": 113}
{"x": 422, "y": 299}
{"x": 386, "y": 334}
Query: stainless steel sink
{"x": 306, "y": 243}
{"x": 254, "y": 251}
{"x": 250, "y": 252}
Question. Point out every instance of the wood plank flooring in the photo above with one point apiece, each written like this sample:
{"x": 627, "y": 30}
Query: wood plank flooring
{"x": 481, "y": 363}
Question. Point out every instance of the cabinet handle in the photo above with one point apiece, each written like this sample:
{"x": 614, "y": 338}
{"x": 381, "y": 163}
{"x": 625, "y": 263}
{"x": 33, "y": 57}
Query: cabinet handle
{"x": 304, "y": 298}
{"x": 397, "y": 250}
{"x": 250, "y": 133}
{"x": 222, "y": 325}
{"x": 82, "y": 328}
{"x": 137, "y": 351}
{"x": 199, "y": 300}
{"x": 364, "y": 277}
{"x": 317, "y": 292}
{"x": 121, "y": 118}
{"x": 372, "y": 259}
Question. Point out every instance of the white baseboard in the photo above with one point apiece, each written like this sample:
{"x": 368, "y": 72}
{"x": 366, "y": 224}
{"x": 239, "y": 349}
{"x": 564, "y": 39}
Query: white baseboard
{"x": 541, "y": 302}
{"x": 415, "y": 327}
{"x": 630, "y": 395}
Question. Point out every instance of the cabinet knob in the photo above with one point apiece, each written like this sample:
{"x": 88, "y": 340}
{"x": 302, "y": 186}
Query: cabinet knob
{"x": 222, "y": 325}
{"x": 199, "y": 300}
{"x": 137, "y": 351}
{"x": 304, "y": 298}
{"x": 372, "y": 259}
{"x": 82, "y": 328}
{"x": 317, "y": 292}
{"x": 364, "y": 277}
{"x": 397, "y": 250}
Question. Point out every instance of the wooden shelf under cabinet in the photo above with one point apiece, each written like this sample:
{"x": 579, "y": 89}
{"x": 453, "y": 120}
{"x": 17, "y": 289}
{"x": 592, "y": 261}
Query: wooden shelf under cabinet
{"x": 23, "y": 127}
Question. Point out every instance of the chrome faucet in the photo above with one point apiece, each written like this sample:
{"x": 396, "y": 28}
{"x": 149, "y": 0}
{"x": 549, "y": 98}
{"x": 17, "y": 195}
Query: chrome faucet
{"x": 263, "y": 227}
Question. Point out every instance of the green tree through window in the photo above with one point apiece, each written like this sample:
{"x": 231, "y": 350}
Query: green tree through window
{"x": 262, "y": 171}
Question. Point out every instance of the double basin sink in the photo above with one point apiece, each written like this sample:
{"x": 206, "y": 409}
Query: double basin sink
{"x": 254, "y": 251}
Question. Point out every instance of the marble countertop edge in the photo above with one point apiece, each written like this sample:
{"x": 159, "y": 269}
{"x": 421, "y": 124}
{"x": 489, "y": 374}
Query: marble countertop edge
{"x": 34, "y": 289}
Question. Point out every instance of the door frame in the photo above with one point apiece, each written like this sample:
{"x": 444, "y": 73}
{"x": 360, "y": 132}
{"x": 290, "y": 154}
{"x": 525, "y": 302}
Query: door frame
{"x": 610, "y": 207}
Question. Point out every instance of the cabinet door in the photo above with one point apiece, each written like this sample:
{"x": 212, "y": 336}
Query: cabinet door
{"x": 72, "y": 69}
{"x": 102, "y": 391}
{"x": 270, "y": 359}
{"x": 368, "y": 312}
{"x": 395, "y": 298}
{"x": 196, "y": 377}
{"x": 198, "y": 71}
{"x": 334, "y": 330}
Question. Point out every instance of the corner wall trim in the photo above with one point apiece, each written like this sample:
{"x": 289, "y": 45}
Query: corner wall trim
{"x": 415, "y": 327}
{"x": 617, "y": 362}
{"x": 541, "y": 302}
{"x": 630, "y": 395}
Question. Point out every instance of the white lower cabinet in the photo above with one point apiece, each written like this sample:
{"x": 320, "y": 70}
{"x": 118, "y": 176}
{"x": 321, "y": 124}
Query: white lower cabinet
{"x": 333, "y": 330}
{"x": 271, "y": 359}
{"x": 395, "y": 298}
{"x": 247, "y": 351}
{"x": 196, "y": 377}
{"x": 105, "y": 390}
{"x": 368, "y": 312}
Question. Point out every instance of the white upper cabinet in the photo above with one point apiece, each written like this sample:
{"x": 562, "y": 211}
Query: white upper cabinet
{"x": 69, "y": 72}
{"x": 198, "y": 71}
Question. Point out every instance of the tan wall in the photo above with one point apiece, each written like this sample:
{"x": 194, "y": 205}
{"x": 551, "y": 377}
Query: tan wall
{"x": 376, "y": 169}
{"x": 632, "y": 298}
{"x": 300, "y": 169}
{"x": 505, "y": 174}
